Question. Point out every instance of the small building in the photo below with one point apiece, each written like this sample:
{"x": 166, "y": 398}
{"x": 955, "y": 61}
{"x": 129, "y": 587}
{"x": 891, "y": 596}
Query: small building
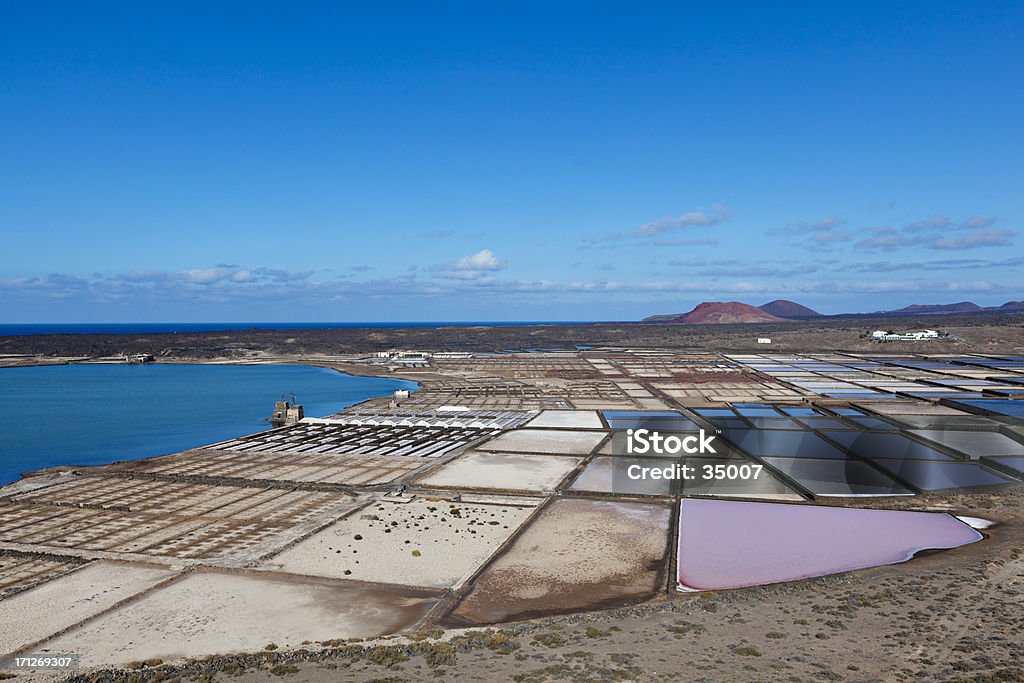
{"x": 764, "y": 340}
{"x": 412, "y": 354}
{"x": 888, "y": 336}
{"x": 286, "y": 413}
{"x": 399, "y": 353}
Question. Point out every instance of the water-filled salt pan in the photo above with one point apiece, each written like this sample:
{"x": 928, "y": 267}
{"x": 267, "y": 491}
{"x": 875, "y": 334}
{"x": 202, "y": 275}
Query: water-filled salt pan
{"x": 732, "y": 544}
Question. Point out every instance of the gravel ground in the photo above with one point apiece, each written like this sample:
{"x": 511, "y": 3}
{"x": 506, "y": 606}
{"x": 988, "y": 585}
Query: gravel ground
{"x": 418, "y": 543}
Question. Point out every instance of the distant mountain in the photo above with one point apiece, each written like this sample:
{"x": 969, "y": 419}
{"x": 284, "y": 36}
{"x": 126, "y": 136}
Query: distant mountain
{"x": 920, "y": 309}
{"x": 718, "y": 312}
{"x": 788, "y": 309}
{"x": 1010, "y": 306}
{"x": 782, "y": 310}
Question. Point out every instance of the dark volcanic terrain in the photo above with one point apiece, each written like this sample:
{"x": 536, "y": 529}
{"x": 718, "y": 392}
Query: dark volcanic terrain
{"x": 1001, "y": 333}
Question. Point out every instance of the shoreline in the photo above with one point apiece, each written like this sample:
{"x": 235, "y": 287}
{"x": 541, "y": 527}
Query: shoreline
{"x": 340, "y": 368}
{"x": 344, "y": 367}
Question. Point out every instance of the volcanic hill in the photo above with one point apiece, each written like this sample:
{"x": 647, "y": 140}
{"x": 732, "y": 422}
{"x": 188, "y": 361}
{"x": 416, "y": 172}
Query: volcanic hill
{"x": 788, "y": 309}
{"x": 718, "y": 312}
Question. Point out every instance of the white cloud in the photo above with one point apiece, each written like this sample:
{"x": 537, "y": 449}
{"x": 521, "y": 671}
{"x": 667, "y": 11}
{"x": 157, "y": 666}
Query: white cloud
{"x": 978, "y": 238}
{"x": 886, "y": 239}
{"x": 476, "y": 276}
{"x": 827, "y": 235}
{"x": 928, "y": 233}
{"x": 930, "y": 223}
{"x": 944, "y": 223}
{"x": 205, "y": 276}
{"x": 699, "y": 218}
{"x": 823, "y": 232}
{"x": 975, "y": 222}
{"x": 476, "y": 266}
{"x": 889, "y": 239}
{"x": 669, "y": 224}
{"x": 828, "y": 223}
{"x": 481, "y": 260}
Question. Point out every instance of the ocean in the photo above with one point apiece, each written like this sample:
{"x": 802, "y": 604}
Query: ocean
{"x": 97, "y": 414}
{"x": 18, "y": 329}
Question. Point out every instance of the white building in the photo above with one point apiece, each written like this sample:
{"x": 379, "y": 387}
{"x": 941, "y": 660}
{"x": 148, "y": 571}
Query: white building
{"x": 883, "y": 336}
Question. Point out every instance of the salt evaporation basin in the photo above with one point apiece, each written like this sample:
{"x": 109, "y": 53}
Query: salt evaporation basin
{"x": 733, "y": 544}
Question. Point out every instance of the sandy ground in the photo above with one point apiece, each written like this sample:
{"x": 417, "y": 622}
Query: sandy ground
{"x": 417, "y": 543}
{"x": 206, "y": 613}
{"x": 33, "y": 615}
{"x": 545, "y": 441}
{"x": 580, "y": 419}
{"x": 578, "y": 553}
{"x": 517, "y": 471}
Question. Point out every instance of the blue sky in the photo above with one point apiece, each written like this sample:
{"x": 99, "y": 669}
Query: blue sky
{"x": 505, "y": 161}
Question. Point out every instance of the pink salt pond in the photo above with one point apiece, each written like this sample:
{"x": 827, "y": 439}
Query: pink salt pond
{"x": 731, "y": 544}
